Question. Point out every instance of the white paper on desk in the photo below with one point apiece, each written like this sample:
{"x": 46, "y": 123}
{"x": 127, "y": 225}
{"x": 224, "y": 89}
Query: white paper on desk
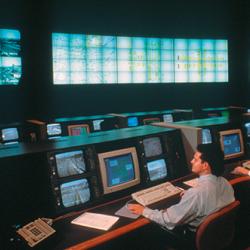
{"x": 192, "y": 182}
{"x": 95, "y": 220}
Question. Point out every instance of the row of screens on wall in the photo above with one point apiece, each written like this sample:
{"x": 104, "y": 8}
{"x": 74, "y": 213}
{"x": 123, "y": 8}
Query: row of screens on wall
{"x": 119, "y": 170}
{"x": 81, "y": 59}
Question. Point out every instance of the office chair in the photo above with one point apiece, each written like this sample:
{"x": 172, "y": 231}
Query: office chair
{"x": 217, "y": 230}
{"x": 241, "y": 186}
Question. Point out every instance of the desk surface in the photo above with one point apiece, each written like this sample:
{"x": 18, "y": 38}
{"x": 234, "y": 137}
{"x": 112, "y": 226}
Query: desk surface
{"x": 77, "y": 237}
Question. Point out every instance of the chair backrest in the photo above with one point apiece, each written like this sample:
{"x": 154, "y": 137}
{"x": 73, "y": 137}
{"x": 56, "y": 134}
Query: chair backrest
{"x": 217, "y": 230}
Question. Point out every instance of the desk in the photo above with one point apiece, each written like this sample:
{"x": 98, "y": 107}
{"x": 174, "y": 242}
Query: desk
{"x": 78, "y": 237}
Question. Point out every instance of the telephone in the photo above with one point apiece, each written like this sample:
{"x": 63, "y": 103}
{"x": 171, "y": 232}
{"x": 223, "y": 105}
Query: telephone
{"x": 36, "y": 231}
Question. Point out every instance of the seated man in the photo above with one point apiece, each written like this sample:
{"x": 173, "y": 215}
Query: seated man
{"x": 212, "y": 193}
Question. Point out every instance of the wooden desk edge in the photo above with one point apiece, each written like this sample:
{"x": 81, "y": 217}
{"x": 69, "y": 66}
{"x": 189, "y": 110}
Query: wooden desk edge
{"x": 239, "y": 180}
{"x": 110, "y": 235}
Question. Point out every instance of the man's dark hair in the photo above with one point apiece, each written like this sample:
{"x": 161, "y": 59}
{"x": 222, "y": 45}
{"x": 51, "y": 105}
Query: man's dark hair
{"x": 213, "y": 155}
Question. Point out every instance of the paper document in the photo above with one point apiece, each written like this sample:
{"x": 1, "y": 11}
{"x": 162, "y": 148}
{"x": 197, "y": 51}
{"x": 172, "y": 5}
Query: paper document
{"x": 192, "y": 182}
{"x": 94, "y": 220}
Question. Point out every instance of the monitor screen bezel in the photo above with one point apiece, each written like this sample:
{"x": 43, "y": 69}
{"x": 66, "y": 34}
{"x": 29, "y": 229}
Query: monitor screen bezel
{"x": 103, "y": 170}
{"x": 86, "y": 126}
{"x": 232, "y": 132}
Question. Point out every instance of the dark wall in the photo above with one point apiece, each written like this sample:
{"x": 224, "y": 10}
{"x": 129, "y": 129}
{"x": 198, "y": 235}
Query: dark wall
{"x": 37, "y": 96}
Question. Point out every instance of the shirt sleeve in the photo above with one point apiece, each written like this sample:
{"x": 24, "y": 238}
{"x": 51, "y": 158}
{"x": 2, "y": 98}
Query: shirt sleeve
{"x": 181, "y": 213}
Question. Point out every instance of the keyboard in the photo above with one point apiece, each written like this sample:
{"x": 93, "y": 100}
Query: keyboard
{"x": 154, "y": 194}
{"x": 246, "y": 164}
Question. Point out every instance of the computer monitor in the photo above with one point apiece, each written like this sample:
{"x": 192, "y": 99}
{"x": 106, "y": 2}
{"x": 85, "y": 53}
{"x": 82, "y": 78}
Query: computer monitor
{"x": 78, "y": 129}
{"x": 133, "y": 121}
{"x": 147, "y": 121}
{"x": 54, "y": 130}
{"x": 232, "y": 143}
{"x": 157, "y": 169}
{"x": 247, "y": 127}
{"x": 206, "y": 136}
{"x": 75, "y": 193}
{"x": 152, "y": 146}
{"x": 168, "y": 118}
{"x": 70, "y": 163}
{"x": 119, "y": 169}
{"x": 9, "y": 135}
{"x": 71, "y": 179}
{"x": 97, "y": 124}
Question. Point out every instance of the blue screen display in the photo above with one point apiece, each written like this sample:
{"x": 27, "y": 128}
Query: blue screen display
{"x": 231, "y": 144}
{"x": 120, "y": 169}
{"x": 132, "y": 122}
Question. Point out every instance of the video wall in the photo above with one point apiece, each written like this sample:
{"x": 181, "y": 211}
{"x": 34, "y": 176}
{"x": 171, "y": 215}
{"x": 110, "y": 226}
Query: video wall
{"x": 10, "y": 58}
{"x": 95, "y": 59}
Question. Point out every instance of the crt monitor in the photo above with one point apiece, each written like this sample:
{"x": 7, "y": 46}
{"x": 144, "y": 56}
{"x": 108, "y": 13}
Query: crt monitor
{"x": 157, "y": 169}
{"x": 152, "y": 146}
{"x": 70, "y": 163}
{"x": 97, "y": 124}
{"x": 75, "y": 192}
{"x": 9, "y": 135}
{"x": 69, "y": 179}
{"x": 206, "y": 136}
{"x": 232, "y": 143}
{"x": 168, "y": 118}
{"x": 78, "y": 129}
{"x": 247, "y": 128}
{"x": 54, "y": 129}
{"x": 133, "y": 121}
{"x": 119, "y": 169}
{"x": 147, "y": 121}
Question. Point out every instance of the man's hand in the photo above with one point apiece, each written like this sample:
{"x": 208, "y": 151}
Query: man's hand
{"x": 136, "y": 208}
{"x": 240, "y": 170}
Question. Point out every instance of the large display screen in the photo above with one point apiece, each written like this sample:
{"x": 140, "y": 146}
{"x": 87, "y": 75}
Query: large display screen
{"x": 152, "y": 146}
{"x": 157, "y": 169}
{"x": 10, "y": 57}
{"x": 91, "y": 59}
{"x": 75, "y": 192}
{"x": 70, "y": 163}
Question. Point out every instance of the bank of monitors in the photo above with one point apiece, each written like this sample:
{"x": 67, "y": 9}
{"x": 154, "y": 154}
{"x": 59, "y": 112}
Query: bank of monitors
{"x": 168, "y": 118}
{"x": 206, "y": 136}
{"x": 53, "y": 130}
{"x": 70, "y": 179}
{"x": 132, "y": 121}
{"x": 78, "y": 129}
{"x": 155, "y": 160}
{"x": 119, "y": 169}
{"x": 9, "y": 135}
{"x": 232, "y": 143}
{"x": 147, "y": 121}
